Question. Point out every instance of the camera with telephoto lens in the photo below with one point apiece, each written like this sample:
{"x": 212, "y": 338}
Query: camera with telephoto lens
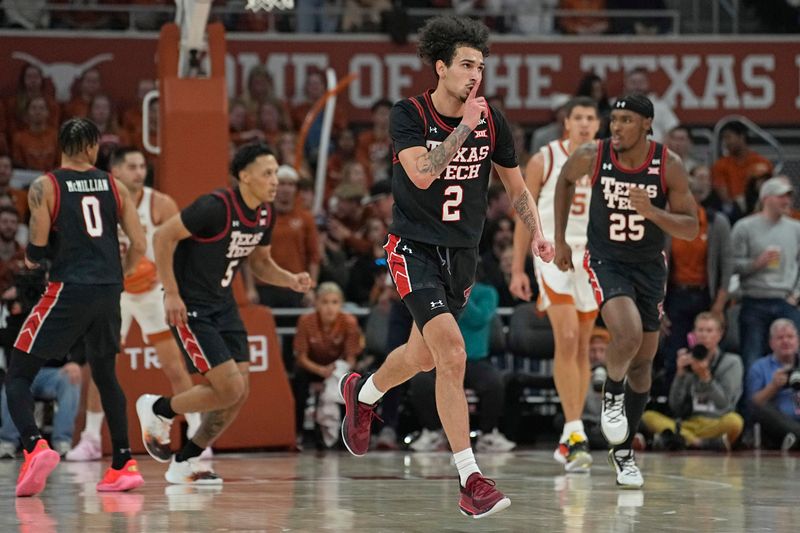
{"x": 699, "y": 352}
{"x": 599, "y": 375}
{"x": 794, "y": 378}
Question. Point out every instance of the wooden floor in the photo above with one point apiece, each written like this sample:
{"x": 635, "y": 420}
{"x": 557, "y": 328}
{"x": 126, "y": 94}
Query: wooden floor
{"x": 417, "y": 492}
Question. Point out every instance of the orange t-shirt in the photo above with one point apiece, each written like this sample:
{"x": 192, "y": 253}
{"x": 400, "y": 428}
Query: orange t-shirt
{"x": 296, "y": 231}
{"x": 576, "y": 25}
{"x": 324, "y": 345}
{"x": 76, "y": 107}
{"x": 734, "y": 175}
{"x": 15, "y": 116}
{"x": 36, "y": 151}
{"x": 689, "y": 257}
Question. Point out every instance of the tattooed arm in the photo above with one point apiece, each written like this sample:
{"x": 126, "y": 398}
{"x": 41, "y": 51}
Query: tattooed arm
{"x": 40, "y": 201}
{"x": 526, "y": 209}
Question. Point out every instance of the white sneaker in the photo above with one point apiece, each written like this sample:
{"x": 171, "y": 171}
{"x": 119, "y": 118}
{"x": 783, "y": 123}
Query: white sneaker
{"x": 628, "y": 474}
{"x": 429, "y": 441}
{"x": 207, "y": 454}
{"x": 191, "y": 472}
{"x": 613, "y": 421}
{"x": 62, "y": 447}
{"x": 494, "y": 442}
{"x": 8, "y": 450}
{"x": 155, "y": 429}
{"x": 88, "y": 448}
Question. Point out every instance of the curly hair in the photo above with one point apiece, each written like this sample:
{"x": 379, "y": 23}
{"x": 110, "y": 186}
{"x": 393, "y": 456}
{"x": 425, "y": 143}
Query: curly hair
{"x": 440, "y": 36}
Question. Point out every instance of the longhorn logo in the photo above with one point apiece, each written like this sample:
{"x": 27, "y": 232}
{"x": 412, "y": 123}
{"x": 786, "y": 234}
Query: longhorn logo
{"x": 63, "y": 74}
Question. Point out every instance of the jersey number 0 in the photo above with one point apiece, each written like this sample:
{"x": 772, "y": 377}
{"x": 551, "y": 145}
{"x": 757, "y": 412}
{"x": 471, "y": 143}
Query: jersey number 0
{"x": 90, "y": 206}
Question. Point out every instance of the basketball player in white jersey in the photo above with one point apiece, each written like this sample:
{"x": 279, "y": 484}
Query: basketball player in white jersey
{"x": 566, "y": 297}
{"x": 142, "y": 300}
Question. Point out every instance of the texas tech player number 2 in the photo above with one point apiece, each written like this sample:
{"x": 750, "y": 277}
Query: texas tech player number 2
{"x": 450, "y": 210}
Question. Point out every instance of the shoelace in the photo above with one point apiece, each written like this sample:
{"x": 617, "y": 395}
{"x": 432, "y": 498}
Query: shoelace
{"x": 482, "y": 486}
{"x": 366, "y": 414}
{"x": 627, "y": 464}
{"x": 613, "y": 407}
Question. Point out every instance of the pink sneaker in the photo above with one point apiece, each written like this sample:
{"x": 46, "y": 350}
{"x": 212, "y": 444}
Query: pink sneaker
{"x": 88, "y": 449}
{"x": 37, "y": 466}
{"x": 127, "y": 478}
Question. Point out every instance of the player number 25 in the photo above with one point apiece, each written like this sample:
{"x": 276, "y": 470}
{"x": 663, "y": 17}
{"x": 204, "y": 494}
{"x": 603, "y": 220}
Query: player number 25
{"x": 450, "y": 211}
{"x": 229, "y": 273}
{"x": 626, "y": 227}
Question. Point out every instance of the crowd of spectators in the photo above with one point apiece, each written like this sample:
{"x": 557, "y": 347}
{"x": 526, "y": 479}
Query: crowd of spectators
{"x": 745, "y": 257}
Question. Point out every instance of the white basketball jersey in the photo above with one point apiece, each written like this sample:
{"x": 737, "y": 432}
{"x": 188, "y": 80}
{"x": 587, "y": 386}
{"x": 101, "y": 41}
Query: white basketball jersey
{"x": 145, "y": 212}
{"x": 555, "y": 155}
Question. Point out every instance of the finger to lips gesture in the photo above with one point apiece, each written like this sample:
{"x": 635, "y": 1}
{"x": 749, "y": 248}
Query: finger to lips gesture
{"x": 475, "y": 107}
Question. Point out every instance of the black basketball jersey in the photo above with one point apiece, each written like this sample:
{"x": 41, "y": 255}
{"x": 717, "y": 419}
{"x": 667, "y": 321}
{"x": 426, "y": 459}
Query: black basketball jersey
{"x": 83, "y": 244}
{"x": 451, "y": 212}
{"x": 224, "y": 233}
{"x": 615, "y": 230}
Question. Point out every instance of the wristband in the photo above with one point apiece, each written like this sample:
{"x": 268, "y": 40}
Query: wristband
{"x": 36, "y": 254}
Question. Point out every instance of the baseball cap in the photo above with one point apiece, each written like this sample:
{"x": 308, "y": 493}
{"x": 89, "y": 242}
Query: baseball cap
{"x": 287, "y": 173}
{"x": 775, "y": 187}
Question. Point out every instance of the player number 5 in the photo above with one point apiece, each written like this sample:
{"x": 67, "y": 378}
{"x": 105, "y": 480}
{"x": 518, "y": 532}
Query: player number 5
{"x": 450, "y": 211}
{"x": 626, "y": 227}
{"x": 229, "y": 273}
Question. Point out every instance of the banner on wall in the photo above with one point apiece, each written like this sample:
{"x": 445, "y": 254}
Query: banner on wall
{"x": 703, "y": 80}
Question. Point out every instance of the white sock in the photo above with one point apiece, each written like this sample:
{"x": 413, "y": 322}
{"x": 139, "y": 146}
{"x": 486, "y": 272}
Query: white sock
{"x": 94, "y": 421}
{"x": 193, "y": 421}
{"x": 369, "y": 393}
{"x": 576, "y": 426}
{"x": 465, "y": 462}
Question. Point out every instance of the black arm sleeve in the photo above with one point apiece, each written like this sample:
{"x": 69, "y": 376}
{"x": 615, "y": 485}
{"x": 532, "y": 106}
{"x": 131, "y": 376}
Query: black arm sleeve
{"x": 406, "y": 126}
{"x": 266, "y": 239}
{"x": 504, "y": 153}
{"x": 206, "y": 217}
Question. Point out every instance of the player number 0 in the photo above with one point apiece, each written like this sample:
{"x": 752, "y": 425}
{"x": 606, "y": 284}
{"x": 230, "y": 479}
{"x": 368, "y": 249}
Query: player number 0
{"x": 450, "y": 211}
{"x": 90, "y": 206}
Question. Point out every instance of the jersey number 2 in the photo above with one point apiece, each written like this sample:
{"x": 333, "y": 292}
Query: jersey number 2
{"x": 90, "y": 206}
{"x": 450, "y": 210}
{"x": 625, "y": 227}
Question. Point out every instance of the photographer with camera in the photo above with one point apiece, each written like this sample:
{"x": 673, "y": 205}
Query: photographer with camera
{"x": 773, "y": 388}
{"x": 703, "y": 396}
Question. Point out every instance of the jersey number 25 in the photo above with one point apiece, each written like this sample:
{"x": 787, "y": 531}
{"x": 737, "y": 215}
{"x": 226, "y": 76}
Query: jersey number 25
{"x": 625, "y": 227}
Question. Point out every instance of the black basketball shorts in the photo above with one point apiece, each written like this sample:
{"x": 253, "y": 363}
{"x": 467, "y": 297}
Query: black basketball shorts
{"x": 212, "y": 335}
{"x": 431, "y": 280}
{"x": 645, "y": 283}
{"x": 69, "y": 316}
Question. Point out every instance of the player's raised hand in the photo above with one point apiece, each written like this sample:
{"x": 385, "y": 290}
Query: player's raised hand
{"x": 640, "y": 201}
{"x": 475, "y": 107}
{"x": 302, "y": 282}
{"x": 175, "y": 309}
{"x": 542, "y": 248}
{"x": 520, "y": 286}
{"x": 563, "y": 257}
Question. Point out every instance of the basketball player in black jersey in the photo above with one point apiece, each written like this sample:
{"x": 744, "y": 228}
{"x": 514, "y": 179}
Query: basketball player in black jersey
{"x": 74, "y": 215}
{"x": 446, "y": 142}
{"x": 198, "y": 253}
{"x": 633, "y": 181}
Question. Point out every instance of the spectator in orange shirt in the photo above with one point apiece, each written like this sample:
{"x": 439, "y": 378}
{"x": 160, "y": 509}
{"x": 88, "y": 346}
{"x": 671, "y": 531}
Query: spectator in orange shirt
{"x": 299, "y": 251}
{"x": 346, "y": 223}
{"x": 240, "y": 132}
{"x": 287, "y": 141}
{"x": 374, "y": 145}
{"x": 89, "y": 86}
{"x": 260, "y": 90}
{"x": 344, "y": 154}
{"x": 36, "y": 148}
{"x": 271, "y": 122}
{"x": 102, "y": 113}
{"x": 31, "y": 83}
{"x": 587, "y": 24}
{"x": 305, "y": 193}
{"x": 732, "y": 172}
{"x": 323, "y": 337}
{"x": 19, "y": 198}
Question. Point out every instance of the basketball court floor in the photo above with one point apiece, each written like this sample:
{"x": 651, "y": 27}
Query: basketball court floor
{"x": 398, "y": 491}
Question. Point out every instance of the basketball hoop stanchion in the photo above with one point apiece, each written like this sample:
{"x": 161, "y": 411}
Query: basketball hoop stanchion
{"x": 269, "y": 5}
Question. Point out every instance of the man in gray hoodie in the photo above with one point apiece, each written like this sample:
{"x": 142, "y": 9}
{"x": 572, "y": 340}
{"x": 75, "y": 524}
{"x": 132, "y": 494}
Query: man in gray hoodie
{"x": 766, "y": 248}
{"x": 703, "y": 395}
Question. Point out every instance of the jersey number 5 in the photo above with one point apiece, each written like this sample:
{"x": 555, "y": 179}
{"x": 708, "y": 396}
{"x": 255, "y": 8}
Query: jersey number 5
{"x": 90, "y": 206}
{"x": 450, "y": 211}
{"x": 625, "y": 227}
{"x": 229, "y": 273}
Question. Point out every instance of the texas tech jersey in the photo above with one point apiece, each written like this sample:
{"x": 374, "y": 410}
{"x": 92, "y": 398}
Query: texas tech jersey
{"x": 616, "y": 231}
{"x": 224, "y": 233}
{"x": 83, "y": 244}
{"x": 450, "y": 212}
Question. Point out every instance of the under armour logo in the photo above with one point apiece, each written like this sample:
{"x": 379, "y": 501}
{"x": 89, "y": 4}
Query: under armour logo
{"x": 482, "y": 134}
{"x": 621, "y": 104}
{"x": 433, "y": 129}
{"x": 235, "y": 223}
{"x": 406, "y": 249}
{"x": 607, "y": 166}
{"x": 656, "y": 161}
{"x": 437, "y": 304}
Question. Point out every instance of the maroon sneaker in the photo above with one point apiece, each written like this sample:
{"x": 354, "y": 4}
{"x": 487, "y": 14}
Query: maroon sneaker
{"x": 480, "y": 497}
{"x": 358, "y": 416}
